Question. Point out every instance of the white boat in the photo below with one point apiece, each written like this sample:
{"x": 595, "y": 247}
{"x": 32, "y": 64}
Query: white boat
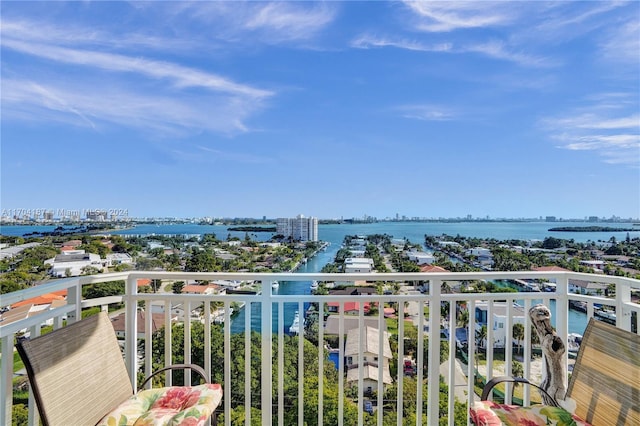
{"x": 606, "y": 315}
{"x": 573, "y": 342}
{"x": 275, "y": 285}
{"x": 295, "y": 325}
{"x": 314, "y": 285}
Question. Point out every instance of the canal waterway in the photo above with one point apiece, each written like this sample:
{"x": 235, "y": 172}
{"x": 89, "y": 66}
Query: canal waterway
{"x": 335, "y": 233}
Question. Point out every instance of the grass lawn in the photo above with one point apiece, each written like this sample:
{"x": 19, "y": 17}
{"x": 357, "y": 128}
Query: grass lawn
{"x": 518, "y": 391}
{"x": 17, "y": 362}
{"x": 392, "y": 325}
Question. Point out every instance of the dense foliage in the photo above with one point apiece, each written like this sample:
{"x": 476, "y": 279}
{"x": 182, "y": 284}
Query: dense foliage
{"x": 292, "y": 374}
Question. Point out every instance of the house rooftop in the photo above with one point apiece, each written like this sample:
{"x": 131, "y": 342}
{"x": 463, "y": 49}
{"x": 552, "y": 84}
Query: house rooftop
{"x": 350, "y": 322}
{"x": 371, "y": 342}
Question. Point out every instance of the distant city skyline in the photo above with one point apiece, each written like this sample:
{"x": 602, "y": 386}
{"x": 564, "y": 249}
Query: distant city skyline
{"x": 330, "y": 109}
{"x": 8, "y": 216}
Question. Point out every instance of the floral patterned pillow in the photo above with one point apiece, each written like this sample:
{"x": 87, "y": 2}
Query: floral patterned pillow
{"x": 176, "y": 405}
{"x": 489, "y": 413}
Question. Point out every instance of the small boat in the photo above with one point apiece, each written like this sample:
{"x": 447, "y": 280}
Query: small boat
{"x": 578, "y": 305}
{"x": 295, "y": 325}
{"x": 606, "y": 315}
{"x": 314, "y": 285}
{"x": 275, "y": 285}
{"x": 573, "y": 342}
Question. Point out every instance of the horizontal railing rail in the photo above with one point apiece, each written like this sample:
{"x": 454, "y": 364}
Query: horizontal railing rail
{"x": 279, "y": 397}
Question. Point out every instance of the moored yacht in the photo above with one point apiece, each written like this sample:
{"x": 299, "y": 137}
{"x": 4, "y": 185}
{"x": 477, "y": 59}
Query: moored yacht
{"x": 295, "y": 325}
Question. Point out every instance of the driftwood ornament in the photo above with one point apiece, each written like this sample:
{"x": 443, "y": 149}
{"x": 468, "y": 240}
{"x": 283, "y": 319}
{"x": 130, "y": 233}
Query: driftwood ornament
{"x": 553, "y": 349}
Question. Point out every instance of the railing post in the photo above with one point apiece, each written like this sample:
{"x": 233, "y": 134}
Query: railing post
{"x": 562, "y": 314}
{"x": 7, "y": 380}
{"x": 267, "y": 353}
{"x": 74, "y": 295}
{"x": 131, "y": 329}
{"x": 433, "y": 387}
{"x": 623, "y": 296}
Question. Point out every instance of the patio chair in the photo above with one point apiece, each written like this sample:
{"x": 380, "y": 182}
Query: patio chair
{"x": 604, "y": 384}
{"x": 78, "y": 377}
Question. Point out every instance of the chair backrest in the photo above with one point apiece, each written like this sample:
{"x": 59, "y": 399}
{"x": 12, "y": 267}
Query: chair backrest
{"x": 76, "y": 373}
{"x": 605, "y": 382}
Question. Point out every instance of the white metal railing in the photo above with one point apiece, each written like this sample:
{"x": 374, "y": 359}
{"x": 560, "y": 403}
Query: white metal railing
{"x": 270, "y": 307}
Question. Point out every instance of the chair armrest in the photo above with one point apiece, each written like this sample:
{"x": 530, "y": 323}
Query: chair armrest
{"x": 193, "y": 367}
{"x": 486, "y": 391}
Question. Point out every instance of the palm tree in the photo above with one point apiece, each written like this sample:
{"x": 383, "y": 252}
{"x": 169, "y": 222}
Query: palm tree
{"x": 517, "y": 369}
{"x": 518, "y": 334}
{"x": 481, "y": 336}
{"x": 463, "y": 318}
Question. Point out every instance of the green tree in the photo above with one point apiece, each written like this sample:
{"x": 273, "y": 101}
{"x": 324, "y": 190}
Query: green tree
{"x": 111, "y": 288}
{"x": 177, "y": 287}
{"x": 518, "y": 334}
{"x": 517, "y": 369}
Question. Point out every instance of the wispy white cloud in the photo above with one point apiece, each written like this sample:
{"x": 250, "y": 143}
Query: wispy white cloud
{"x": 593, "y": 121}
{"x": 427, "y": 112}
{"x": 289, "y": 20}
{"x": 74, "y": 35}
{"x": 613, "y": 134}
{"x": 182, "y": 77}
{"x": 95, "y": 106}
{"x": 494, "y": 49}
{"x": 499, "y": 50}
{"x": 567, "y": 20}
{"x": 445, "y": 16}
{"x": 260, "y": 22}
{"x": 622, "y": 43}
{"x": 366, "y": 41}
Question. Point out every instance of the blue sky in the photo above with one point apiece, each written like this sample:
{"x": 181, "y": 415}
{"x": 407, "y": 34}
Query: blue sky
{"x": 333, "y": 109}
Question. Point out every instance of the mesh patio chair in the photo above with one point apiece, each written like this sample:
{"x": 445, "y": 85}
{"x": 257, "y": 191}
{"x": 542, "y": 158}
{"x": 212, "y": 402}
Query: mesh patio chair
{"x": 78, "y": 377}
{"x": 604, "y": 384}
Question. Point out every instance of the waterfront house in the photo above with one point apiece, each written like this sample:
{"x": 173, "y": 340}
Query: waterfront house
{"x": 201, "y": 289}
{"x": 73, "y": 263}
{"x": 499, "y": 320}
{"x": 587, "y": 287}
{"x": 421, "y": 258}
{"x": 432, "y": 268}
{"x": 358, "y": 265}
{"x": 369, "y": 351}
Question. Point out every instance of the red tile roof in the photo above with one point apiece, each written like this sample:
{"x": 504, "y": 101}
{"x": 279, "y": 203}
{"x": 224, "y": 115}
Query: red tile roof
{"x": 45, "y": 299}
{"x": 350, "y": 306}
{"x": 143, "y": 282}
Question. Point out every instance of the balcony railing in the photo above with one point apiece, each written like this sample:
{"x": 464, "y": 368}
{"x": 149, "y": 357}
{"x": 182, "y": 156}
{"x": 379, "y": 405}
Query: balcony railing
{"x": 266, "y": 311}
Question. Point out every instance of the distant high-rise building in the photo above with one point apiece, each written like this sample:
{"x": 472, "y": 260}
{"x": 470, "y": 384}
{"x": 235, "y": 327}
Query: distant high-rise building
{"x": 96, "y": 215}
{"x": 550, "y": 219}
{"x": 299, "y": 228}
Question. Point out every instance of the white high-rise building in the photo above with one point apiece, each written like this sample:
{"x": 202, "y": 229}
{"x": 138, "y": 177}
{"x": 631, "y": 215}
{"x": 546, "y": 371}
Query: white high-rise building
{"x": 299, "y": 228}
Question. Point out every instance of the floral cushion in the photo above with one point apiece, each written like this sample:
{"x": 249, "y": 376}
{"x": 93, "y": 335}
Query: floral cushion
{"x": 489, "y": 413}
{"x": 176, "y": 405}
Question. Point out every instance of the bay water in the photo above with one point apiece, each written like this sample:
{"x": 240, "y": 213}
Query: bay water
{"x": 334, "y": 234}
